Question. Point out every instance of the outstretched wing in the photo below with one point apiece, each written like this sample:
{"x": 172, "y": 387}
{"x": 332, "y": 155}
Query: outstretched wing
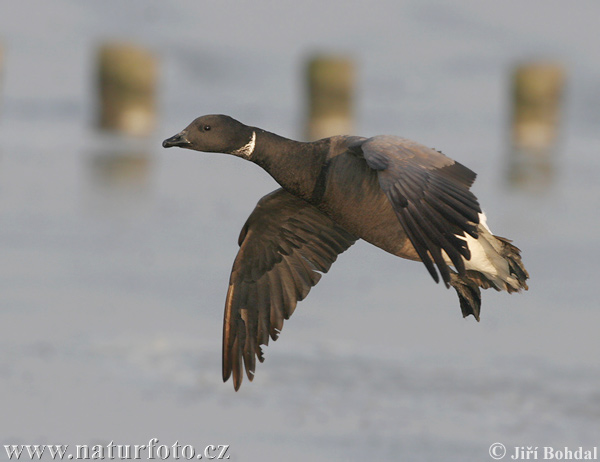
{"x": 285, "y": 245}
{"x": 430, "y": 195}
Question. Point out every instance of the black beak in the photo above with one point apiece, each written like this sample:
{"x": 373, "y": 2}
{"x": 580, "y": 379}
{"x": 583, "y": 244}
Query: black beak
{"x": 179, "y": 140}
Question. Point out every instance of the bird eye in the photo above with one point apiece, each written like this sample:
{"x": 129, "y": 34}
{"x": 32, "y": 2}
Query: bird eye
{"x": 206, "y": 128}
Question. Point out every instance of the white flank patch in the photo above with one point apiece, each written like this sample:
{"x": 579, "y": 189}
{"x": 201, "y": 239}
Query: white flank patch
{"x": 247, "y": 149}
{"x": 483, "y": 221}
{"x": 480, "y": 250}
{"x": 486, "y": 257}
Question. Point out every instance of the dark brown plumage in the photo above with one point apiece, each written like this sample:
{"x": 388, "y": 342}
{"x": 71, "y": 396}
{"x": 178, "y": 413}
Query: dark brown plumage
{"x": 288, "y": 244}
{"x": 401, "y": 196}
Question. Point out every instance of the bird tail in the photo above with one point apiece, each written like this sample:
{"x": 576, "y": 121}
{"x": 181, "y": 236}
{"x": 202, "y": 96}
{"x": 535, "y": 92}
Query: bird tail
{"x": 469, "y": 294}
{"x": 495, "y": 263}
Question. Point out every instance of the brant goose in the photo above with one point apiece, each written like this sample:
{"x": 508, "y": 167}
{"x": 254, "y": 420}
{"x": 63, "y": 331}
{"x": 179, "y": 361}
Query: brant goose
{"x": 405, "y": 198}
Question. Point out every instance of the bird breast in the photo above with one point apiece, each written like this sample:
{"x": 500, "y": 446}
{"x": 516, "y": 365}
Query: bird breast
{"x": 353, "y": 198}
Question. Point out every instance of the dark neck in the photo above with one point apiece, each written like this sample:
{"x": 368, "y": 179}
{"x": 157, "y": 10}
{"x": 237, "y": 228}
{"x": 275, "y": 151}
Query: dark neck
{"x": 293, "y": 164}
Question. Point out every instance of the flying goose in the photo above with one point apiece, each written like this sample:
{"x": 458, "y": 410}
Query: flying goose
{"x": 401, "y": 196}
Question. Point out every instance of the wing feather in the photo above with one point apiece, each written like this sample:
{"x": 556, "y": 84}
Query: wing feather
{"x": 285, "y": 245}
{"x": 430, "y": 195}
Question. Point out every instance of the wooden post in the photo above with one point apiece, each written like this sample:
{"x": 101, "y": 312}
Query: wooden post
{"x": 127, "y": 78}
{"x": 119, "y": 180}
{"x": 537, "y": 95}
{"x": 330, "y": 92}
{"x": 128, "y": 170}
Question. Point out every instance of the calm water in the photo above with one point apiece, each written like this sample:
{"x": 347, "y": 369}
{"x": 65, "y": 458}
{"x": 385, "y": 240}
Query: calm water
{"x": 115, "y": 254}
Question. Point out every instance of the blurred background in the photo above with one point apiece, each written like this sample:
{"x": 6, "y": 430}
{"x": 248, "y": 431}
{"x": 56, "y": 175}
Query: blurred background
{"x": 115, "y": 254}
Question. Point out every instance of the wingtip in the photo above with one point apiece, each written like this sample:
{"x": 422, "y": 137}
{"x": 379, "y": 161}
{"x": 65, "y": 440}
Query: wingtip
{"x": 237, "y": 384}
{"x": 236, "y": 381}
{"x": 236, "y": 378}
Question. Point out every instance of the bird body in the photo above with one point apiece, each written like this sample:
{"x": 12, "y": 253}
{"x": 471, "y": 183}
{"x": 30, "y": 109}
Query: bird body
{"x": 405, "y": 198}
{"x": 340, "y": 184}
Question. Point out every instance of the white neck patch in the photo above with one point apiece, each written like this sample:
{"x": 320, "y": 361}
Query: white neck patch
{"x": 247, "y": 149}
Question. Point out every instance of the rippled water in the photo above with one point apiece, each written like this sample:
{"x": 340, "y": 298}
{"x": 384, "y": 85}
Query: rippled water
{"x": 115, "y": 254}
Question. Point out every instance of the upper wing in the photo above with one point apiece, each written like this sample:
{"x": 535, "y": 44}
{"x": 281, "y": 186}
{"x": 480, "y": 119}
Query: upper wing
{"x": 285, "y": 245}
{"x": 430, "y": 195}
